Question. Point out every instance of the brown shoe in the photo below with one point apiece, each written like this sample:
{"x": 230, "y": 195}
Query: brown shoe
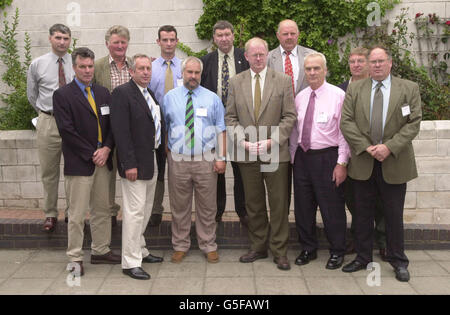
{"x": 251, "y": 256}
{"x": 177, "y": 257}
{"x": 76, "y": 268}
{"x": 50, "y": 224}
{"x": 282, "y": 263}
{"x": 212, "y": 257}
{"x": 109, "y": 258}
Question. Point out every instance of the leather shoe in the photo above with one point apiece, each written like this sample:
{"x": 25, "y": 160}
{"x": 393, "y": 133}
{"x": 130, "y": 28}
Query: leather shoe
{"x": 76, "y": 271}
{"x": 282, "y": 263}
{"x": 155, "y": 219}
{"x": 152, "y": 259}
{"x": 251, "y": 256}
{"x": 383, "y": 254}
{"x": 402, "y": 274}
{"x": 50, "y": 224}
{"x": 335, "y": 262}
{"x": 178, "y": 256}
{"x": 305, "y": 257}
{"x": 109, "y": 258}
{"x": 212, "y": 257}
{"x": 244, "y": 220}
{"x": 136, "y": 273}
{"x": 354, "y": 266}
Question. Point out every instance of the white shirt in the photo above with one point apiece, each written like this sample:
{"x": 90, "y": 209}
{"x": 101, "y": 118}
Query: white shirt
{"x": 294, "y": 61}
{"x": 262, "y": 79}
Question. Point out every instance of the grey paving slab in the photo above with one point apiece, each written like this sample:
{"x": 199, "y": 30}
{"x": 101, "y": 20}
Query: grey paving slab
{"x": 37, "y": 270}
{"x": 25, "y": 286}
{"x": 64, "y": 285}
{"x": 182, "y": 270}
{"x": 267, "y": 268}
{"x": 181, "y": 286}
{"x": 231, "y": 255}
{"x": 8, "y": 269}
{"x": 119, "y": 286}
{"x": 97, "y": 271}
{"x": 426, "y": 268}
{"x": 333, "y": 286}
{"x": 445, "y": 265}
{"x": 431, "y": 285}
{"x": 230, "y": 286}
{"x": 49, "y": 256}
{"x": 316, "y": 268}
{"x": 439, "y": 254}
{"x": 229, "y": 269}
{"x": 281, "y": 286}
{"x": 151, "y": 269}
{"x": 15, "y": 255}
{"x": 387, "y": 286}
{"x": 418, "y": 255}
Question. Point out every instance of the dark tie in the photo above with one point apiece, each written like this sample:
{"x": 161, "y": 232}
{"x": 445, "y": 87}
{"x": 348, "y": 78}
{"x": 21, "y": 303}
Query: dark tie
{"x": 376, "y": 123}
{"x": 225, "y": 80}
{"x": 61, "y": 76}
{"x": 189, "y": 122}
{"x": 288, "y": 69}
{"x": 307, "y": 123}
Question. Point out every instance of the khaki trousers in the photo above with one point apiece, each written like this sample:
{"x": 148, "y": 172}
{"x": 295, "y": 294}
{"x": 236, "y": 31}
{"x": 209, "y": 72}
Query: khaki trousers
{"x": 137, "y": 209}
{"x": 89, "y": 192}
{"x": 186, "y": 177}
{"x": 49, "y": 150}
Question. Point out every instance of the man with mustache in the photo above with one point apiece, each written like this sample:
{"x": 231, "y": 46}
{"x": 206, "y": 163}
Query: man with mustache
{"x": 194, "y": 118}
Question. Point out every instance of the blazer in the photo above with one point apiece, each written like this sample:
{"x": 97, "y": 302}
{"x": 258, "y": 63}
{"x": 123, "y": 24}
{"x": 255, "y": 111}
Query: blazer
{"x": 344, "y": 85}
{"x": 134, "y": 131}
{"x": 77, "y": 125}
{"x": 211, "y": 68}
{"x": 102, "y": 74}
{"x": 277, "y": 110}
{"x": 275, "y": 61}
{"x": 399, "y": 130}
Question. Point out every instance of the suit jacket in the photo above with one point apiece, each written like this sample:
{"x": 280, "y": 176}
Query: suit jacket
{"x": 211, "y": 68}
{"x": 344, "y": 85}
{"x": 102, "y": 74}
{"x": 134, "y": 131}
{"x": 275, "y": 61}
{"x": 399, "y": 131}
{"x": 277, "y": 110}
{"x": 77, "y": 125}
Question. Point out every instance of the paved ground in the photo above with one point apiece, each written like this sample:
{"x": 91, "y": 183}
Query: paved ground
{"x": 42, "y": 272}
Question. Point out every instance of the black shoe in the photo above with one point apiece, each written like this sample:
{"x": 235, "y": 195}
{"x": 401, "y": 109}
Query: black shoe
{"x": 402, "y": 274}
{"x": 152, "y": 259}
{"x": 155, "y": 219}
{"x": 335, "y": 262}
{"x": 136, "y": 273}
{"x": 305, "y": 257}
{"x": 354, "y": 266}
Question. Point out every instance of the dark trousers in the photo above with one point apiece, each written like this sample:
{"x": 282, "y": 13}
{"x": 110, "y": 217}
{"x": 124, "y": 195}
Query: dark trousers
{"x": 380, "y": 226}
{"x": 393, "y": 200}
{"x": 238, "y": 190}
{"x": 313, "y": 186}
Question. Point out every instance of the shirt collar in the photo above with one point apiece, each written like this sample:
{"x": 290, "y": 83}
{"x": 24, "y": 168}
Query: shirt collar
{"x": 222, "y": 54}
{"x": 111, "y": 60}
{"x": 293, "y": 51}
{"x": 262, "y": 74}
{"x": 186, "y": 90}
{"x": 386, "y": 82}
{"x": 82, "y": 86}
{"x": 320, "y": 90}
{"x": 65, "y": 58}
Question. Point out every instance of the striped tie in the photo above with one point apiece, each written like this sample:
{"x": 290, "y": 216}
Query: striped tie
{"x": 94, "y": 108}
{"x": 155, "y": 118}
{"x": 189, "y": 122}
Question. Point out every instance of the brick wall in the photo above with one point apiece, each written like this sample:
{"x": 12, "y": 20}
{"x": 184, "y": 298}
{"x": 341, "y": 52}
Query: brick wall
{"x": 427, "y": 198}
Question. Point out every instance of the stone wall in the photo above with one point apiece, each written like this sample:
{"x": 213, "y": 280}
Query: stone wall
{"x": 427, "y": 198}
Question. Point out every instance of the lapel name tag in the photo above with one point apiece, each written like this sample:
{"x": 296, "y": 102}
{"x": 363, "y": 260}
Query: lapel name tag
{"x": 105, "y": 110}
{"x": 406, "y": 110}
{"x": 202, "y": 112}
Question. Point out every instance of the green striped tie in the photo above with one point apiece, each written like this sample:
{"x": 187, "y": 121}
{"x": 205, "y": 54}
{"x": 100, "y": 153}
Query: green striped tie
{"x": 189, "y": 122}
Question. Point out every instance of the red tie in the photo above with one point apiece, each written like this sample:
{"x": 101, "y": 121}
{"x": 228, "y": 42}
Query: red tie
{"x": 307, "y": 123}
{"x": 288, "y": 69}
{"x": 61, "y": 76}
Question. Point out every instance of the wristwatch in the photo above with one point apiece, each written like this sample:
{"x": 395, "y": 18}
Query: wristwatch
{"x": 221, "y": 158}
{"x": 342, "y": 164}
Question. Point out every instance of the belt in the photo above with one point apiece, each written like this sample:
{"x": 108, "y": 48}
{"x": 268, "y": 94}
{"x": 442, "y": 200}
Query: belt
{"x": 310, "y": 151}
{"x": 47, "y": 113}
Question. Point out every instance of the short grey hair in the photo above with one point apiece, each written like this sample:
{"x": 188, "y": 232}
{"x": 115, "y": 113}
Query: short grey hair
{"x": 316, "y": 54}
{"x": 189, "y": 59}
{"x": 119, "y": 30}
{"x": 138, "y": 56}
{"x": 258, "y": 40}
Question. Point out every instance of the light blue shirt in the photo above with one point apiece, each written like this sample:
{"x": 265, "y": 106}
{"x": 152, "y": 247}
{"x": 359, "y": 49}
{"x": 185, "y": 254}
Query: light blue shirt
{"x": 386, "y": 90}
{"x": 209, "y": 119}
{"x": 159, "y": 67}
{"x": 83, "y": 88}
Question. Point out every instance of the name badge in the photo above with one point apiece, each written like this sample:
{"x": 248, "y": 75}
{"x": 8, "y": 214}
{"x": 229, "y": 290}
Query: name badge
{"x": 322, "y": 118}
{"x": 105, "y": 110}
{"x": 202, "y": 112}
{"x": 179, "y": 82}
{"x": 406, "y": 110}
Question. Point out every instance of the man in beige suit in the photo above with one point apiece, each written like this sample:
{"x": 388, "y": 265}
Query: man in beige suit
{"x": 260, "y": 116}
{"x": 110, "y": 72}
{"x": 380, "y": 118}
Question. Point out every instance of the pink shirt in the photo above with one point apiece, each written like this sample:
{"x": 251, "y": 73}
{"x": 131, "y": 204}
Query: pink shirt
{"x": 325, "y": 131}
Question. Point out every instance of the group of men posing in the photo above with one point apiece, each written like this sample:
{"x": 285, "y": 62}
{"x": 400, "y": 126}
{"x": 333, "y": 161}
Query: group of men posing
{"x": 276, "y": 108}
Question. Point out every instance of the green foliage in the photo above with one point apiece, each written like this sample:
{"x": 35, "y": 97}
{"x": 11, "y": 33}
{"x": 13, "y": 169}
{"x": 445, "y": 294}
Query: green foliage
{"x": 188, "y": 51}
{"x": 5, "y": 3}
{"x": 18, "y": 112}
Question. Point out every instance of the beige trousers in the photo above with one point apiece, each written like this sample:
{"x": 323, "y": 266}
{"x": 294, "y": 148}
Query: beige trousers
{"x": 49, "y": 150}
{"x": 89, "y": 192}
{"x": 137, "y": 209}
{"x": 186, "y": 177}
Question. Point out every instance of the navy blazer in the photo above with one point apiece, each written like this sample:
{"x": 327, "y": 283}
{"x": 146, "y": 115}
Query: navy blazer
{"x": 77, "y": 125}
{"x": 134, "y": 132}
{"x": 211, "y": 68}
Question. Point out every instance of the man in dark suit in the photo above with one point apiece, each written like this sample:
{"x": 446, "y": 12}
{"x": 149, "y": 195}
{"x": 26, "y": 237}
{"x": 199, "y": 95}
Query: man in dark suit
{"x": 219, "y": 67}
{"x": 138, "y": 133}
{"x": 82, "y": 115}
{"x": 380, "y": 118}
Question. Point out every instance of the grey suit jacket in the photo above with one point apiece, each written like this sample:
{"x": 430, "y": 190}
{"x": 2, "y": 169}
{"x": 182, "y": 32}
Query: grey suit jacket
{"x": 102, "y": 74}
{"x": 277, "y": 110}
{"x": 275, "y": 61}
